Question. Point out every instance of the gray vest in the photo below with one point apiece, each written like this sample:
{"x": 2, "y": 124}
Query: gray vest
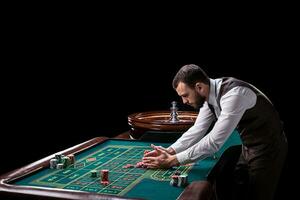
{"x": 260, "y": 125}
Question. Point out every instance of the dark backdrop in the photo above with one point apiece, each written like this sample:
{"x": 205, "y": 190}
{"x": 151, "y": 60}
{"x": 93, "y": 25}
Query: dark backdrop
{"x": 63, "y": 86}
{"x": 59, "y": 102}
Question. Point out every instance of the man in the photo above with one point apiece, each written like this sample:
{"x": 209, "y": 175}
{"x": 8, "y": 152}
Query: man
{"x": 234, "y": 104}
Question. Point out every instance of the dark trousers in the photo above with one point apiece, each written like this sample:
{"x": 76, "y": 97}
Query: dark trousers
{"x": 251, "y": 173}
{"x": 258, "y": 171}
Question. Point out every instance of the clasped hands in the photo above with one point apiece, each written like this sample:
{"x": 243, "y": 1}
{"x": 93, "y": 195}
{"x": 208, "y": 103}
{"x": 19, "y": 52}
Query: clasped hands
{"x": 160, "y": 157}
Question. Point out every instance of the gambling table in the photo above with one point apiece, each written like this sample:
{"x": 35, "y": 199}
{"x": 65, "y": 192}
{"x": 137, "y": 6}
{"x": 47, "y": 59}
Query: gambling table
{"x": 38, "y": 181}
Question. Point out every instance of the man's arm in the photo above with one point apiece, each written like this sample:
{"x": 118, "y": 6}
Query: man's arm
{"x": 196, "y": 132}
{"x": 160, "y": 158}
{"x": 233, "y": 104}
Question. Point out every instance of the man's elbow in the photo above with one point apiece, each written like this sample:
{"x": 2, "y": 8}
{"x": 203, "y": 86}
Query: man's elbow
{"x": 215, "y": 146}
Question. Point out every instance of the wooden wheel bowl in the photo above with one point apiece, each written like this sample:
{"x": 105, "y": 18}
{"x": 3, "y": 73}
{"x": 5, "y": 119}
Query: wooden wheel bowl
{"x": 159, "y": 121}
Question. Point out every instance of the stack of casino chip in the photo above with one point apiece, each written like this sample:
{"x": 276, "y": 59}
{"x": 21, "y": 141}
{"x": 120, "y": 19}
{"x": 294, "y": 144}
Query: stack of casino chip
{"x": 72, "y": 157}
{"x": 53, "y": 163}
{"x": 179, "y": 180}
{"x": 104, "y": 177}
{"x": 60, "y": 166}
{"x": 60, "y": 161}
{"x": 66, "y": 161}
{"x": 58, "y": 157}
{"x": 174, "y": 180}
{"x": 94, "y": 173}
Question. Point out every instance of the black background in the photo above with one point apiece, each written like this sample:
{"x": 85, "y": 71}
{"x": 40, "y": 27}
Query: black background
{"x": 67, "y": 82}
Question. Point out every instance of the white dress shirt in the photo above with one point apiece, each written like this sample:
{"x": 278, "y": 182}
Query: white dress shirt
{"x": 193, "y": 145}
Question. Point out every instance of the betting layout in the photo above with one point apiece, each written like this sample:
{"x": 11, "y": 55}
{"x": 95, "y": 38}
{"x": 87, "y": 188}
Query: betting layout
{"x": 114, "y": 169}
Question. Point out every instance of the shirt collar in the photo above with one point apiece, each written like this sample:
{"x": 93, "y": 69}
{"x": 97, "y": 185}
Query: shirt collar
{"x": 214, "y": 89}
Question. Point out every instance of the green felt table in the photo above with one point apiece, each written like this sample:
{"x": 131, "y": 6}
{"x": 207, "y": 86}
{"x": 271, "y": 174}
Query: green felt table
{"x": 111, "y": 154}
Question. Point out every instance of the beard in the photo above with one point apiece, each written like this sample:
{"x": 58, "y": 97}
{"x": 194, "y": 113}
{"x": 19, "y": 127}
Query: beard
{"x": 200, "y": 100}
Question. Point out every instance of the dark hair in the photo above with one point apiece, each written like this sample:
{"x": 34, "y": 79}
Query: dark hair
{"x": 190, "y": 75}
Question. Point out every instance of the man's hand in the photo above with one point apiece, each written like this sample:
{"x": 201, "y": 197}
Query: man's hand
{"x": 160, "y": 157}
{"x": 154, "y": 152}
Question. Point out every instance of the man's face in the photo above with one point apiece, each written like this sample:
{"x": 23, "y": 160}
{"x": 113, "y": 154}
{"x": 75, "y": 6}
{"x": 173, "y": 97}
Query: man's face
{"x": 190, "y": 96}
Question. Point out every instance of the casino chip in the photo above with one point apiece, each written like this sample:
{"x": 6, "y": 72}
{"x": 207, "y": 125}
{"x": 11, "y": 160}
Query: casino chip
{"x": 94, "y": 173}
{"x": 179, "y": 180}
{"x": 61, "y": 162}
{"x": 104, "y": 177}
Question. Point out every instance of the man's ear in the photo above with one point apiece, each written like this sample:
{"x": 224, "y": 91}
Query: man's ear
{"x": 198, "y": 86}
